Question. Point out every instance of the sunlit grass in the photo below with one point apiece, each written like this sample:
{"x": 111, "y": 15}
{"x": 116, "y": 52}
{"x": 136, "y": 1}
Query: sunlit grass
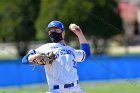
{"x": 121, "y": 86}
{"x": 8, "y": 56}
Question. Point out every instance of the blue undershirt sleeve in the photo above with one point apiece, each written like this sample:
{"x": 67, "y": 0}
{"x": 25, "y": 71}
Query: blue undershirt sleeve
{"x": 86, "y": 48}
{"x": 25, "y": 58}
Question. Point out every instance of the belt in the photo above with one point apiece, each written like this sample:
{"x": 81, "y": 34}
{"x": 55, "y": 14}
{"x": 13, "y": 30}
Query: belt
{"x": 65, "y": 85}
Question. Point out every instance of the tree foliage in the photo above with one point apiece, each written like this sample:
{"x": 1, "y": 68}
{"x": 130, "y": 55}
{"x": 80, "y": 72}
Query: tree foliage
{"x": 7, "y": 8}
{"x": 104, "y": 21}
{"x": 27, "y": 14}
{"x": 18, "y": 19}
{"x": 66, "y": 11}
{"x": 98, "y": 18}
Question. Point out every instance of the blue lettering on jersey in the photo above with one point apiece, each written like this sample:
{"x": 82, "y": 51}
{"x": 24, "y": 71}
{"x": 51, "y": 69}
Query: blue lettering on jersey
{"x": 74, "y": 64}
{"x": 63, "y": 52}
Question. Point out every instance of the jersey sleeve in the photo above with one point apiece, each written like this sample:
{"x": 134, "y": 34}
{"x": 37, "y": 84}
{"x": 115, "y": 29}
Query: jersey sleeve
{"x": 25, "y": 58}
{"x": 39, "y": 50}
{"x": 80, "y": 55}
{"x": 86, "y": 48}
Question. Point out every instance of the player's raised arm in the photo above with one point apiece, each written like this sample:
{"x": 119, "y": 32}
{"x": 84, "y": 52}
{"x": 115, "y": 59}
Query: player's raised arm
{"x": 84, "y": 45}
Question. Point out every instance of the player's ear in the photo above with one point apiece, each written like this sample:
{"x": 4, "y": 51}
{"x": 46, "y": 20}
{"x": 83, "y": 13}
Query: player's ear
{"x": 63, "y": 34}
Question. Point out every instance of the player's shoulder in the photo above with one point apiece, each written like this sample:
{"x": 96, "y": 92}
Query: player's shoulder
{"x": 55, "y": 45}
{"x": 47, "y": 45}
{"x": 69, "y": 48}
{"x": 50, "y": 45}
{"x": 44, "y": 47}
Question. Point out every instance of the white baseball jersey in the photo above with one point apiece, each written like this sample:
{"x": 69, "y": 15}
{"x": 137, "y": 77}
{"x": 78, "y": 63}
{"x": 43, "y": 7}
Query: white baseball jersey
{"x": 63, "y": 70}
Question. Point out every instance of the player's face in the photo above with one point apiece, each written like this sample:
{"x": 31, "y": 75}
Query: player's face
{"x": 58, "y": 30}
{"x": 55, "y": 29}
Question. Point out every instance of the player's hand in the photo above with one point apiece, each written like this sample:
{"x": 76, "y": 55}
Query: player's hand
{"x": 75, "y": 29}
{"x": 37, "y": 59}
{"x": 41, "y": 59}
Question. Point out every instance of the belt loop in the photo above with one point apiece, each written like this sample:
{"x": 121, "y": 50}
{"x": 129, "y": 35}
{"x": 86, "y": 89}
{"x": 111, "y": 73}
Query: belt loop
{"x": 56, "y": 87}
{"x": 77, "y": 81}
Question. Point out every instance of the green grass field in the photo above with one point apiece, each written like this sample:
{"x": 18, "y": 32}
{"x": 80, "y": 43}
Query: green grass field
{"x": 121, "y": 86}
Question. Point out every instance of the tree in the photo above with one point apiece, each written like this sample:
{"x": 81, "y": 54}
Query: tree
{"x": 7, "y": 23}
{"x": 66, "y": 11}
{"x": 98, "y": 19}
{"x": 103, "y": 23}
{"x": 18, "y": 20}
{"x": 25, "y": 30}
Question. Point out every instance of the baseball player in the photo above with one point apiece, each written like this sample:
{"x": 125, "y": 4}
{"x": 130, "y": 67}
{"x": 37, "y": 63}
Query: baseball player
{"x": 59, "y": 59}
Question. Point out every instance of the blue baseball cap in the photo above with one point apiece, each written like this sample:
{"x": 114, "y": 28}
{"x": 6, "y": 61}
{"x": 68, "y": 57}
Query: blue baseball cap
{"x": 57, "y": 24}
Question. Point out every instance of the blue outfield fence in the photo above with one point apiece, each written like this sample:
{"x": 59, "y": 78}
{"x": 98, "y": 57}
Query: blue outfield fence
{"x": 12, "y": 72}
{"x": 110, "y": 67}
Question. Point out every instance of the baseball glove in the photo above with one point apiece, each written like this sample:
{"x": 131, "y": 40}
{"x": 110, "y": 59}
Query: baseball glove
{"x": 43, "y": 59}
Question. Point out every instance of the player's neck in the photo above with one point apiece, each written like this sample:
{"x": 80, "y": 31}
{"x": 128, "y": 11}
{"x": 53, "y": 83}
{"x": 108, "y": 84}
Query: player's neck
{"x": 62, "y": 41}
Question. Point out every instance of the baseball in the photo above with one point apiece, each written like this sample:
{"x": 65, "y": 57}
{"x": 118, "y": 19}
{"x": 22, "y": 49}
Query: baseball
{"x": 73, "y": 26}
